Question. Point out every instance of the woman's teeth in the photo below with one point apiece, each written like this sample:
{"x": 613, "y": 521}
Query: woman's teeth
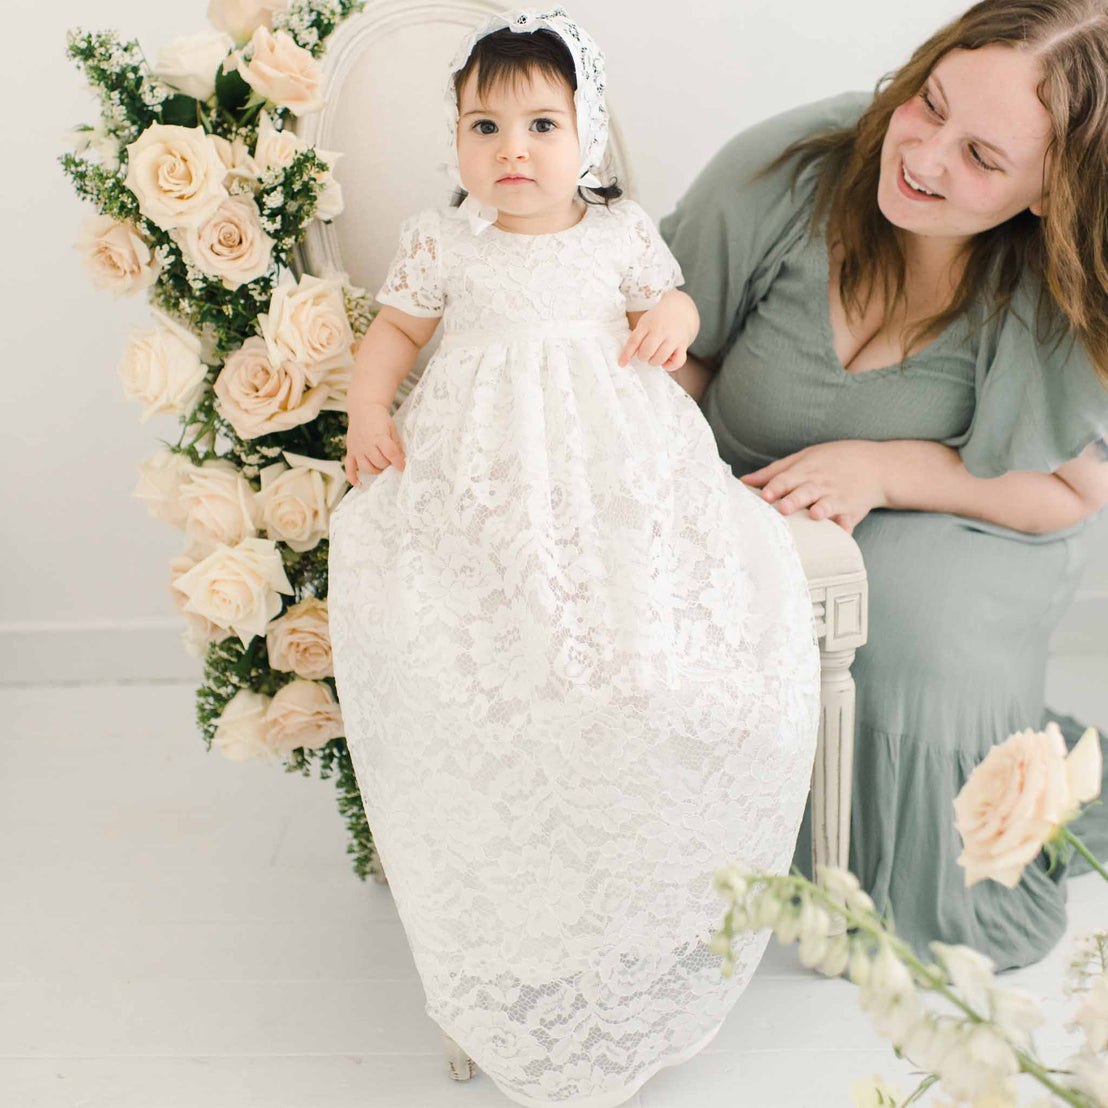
{"x": 915, "y": 184}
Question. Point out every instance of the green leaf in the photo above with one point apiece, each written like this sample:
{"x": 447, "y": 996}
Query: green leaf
{"x": 184, "y": 111}
{"x": 231, "y": 91}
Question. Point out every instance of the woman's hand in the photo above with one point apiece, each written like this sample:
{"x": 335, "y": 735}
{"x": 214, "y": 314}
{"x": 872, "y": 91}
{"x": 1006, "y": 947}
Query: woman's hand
{"x": 841, "y": 481}
{"x": 661, "y": 335}
{"x": 372, "y": 442}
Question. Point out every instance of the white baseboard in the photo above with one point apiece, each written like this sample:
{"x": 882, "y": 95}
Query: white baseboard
{"x": 152, "y": 649}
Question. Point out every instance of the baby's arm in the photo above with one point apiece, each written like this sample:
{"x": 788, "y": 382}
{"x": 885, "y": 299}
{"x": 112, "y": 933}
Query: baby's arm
{"x": 662, "y": 335}
{"x": 383, "y": 359}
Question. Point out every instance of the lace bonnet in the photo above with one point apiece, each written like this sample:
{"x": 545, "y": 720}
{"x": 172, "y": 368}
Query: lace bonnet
{"x": 588, "y": 99}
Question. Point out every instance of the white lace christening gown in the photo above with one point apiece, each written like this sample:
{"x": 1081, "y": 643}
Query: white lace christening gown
{"x": 576, "y": 662}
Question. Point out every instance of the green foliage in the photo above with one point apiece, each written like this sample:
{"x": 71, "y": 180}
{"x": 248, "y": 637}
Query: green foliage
{"x": 131, "y": 99}
{"x": 310, "y": 22}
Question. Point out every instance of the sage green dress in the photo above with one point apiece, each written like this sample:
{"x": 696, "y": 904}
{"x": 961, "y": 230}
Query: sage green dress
{"x": 960, "y": 610}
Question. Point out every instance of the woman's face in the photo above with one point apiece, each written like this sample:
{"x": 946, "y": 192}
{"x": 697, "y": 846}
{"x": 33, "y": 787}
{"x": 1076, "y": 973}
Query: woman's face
{"x": 975, "y": 138}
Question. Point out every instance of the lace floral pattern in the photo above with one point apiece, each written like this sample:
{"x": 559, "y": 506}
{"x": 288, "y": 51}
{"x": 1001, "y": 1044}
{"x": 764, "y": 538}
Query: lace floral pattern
{"x": 577, "y": 666}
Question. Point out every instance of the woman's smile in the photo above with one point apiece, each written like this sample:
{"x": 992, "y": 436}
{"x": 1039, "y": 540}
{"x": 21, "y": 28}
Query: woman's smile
{"x": 912, "y": 188}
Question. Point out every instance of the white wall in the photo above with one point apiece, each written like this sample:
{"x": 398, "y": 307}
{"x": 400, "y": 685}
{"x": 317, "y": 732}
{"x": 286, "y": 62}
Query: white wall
{"x": 84, "y": 569}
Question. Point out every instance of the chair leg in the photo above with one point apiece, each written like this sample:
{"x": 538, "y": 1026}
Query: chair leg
{"x": 460, "y": 1064}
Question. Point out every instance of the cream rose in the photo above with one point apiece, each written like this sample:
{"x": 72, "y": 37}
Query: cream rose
{"x": 242, "y": 169}
{"x": 199, "y": 632}
{"x": 176, "y": 174}
{"x": 1018, "y": 797}
{"x": 220, "y": 505}
{"x": 237, "y": 587}
{"x": 231, "y": 245}
{"x": 282, "y": 72}
{"x": 159, "y": 485}
{"x": 241, "y": 18}
{"x": 161, "y": 367}
{"x": 116, "y": 256}
{"x": 258, "y": 398}
{"x": 329, "y": 203}
{"x": 190, "y": 63}
{"x": 242, "y": 733}
{"x": 303, "y": 713}
{"x": 300, "y": 641}
{"x": 276, "y": 149}
{"x": 307, "y": 323}
{"x": 296, "y": 502}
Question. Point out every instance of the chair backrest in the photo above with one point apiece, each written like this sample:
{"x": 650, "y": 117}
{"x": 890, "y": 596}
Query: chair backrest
{"x": 384, "y": 72}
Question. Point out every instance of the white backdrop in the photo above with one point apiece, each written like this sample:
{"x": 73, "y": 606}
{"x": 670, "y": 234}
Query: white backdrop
{"x": 85, "y": 570}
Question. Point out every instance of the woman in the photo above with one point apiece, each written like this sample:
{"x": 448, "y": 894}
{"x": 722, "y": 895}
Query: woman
{"x": 904, "y": 305}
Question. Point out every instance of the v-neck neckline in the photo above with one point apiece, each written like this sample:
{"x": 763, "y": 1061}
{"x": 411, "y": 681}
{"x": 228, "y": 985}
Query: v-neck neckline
{"x": 828, "y": 331}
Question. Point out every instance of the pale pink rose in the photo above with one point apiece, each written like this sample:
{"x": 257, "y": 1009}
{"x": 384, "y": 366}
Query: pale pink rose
{"x": 161, "y": 368}
{"x": 176, "y": 174}
{"x": 1017, "y": 798}
{"x": 241, "y": 18}
{"x": 303, "y": 713}
{"x": 116, "y": 256}
{"x": 242, "y": 733}
{"x": 189, "y": 63}
{"x": 159, "y": 485}
{"x": 258, "y": 398}
{"x": 239, "y": 163}
{"x": 307, "y": 323}
{"x": 231, "y": 245}
{"x": 220, "y": 504}
{"x": 199, "y": 632}
{"x": 296, "y": 503}
{"x": 300, "y": 641}
{"x": 276, "y": 149}
{"x": 238, "y": 588}
{"x": 282, "y": 72}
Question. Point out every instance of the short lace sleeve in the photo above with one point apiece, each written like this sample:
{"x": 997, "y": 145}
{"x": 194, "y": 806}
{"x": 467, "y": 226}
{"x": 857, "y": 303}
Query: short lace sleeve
{"x": 652, "y": 270}
{"x": 413, "y": 283}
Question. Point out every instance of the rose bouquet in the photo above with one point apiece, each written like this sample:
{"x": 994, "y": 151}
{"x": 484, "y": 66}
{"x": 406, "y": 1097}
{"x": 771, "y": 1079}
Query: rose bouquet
{"x": 974, "y": 1044}
{"x": 203, "y": 191}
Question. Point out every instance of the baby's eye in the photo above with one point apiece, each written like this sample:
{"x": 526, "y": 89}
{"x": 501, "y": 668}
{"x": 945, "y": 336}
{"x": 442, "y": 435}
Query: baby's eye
{"x": 485, "y": 127}
{"x": 544, "y": 125}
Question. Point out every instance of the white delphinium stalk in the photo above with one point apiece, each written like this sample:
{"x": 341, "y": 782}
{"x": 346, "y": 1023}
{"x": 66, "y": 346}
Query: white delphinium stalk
{"x": 1092, "y": 1016}
{"x": 973, "y": 1052}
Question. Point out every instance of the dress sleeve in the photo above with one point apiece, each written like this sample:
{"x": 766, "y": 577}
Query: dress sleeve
{"x": 414, "y": 280}
{"x": 651, "y": 269}
{"x": 730, "y": 233}
{"x": 1039, "y": 402}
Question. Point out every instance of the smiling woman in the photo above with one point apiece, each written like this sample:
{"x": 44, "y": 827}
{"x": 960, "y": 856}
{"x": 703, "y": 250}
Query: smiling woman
{"x": 904, "y": 329}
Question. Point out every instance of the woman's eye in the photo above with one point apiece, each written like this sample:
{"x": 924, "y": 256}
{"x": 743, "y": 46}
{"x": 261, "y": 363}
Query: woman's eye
{"x": 544, "y": 125}
{"x": 979, "y": 160}
{"x": 927, "y": 100}
{"x": 485, "y": 127}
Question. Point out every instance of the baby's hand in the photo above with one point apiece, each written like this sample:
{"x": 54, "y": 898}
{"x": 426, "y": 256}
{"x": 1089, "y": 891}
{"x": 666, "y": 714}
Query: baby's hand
{"x": 372, "y": 442}
{"x": 662, "y": 335}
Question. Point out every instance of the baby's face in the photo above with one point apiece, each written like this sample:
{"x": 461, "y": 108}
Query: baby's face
{"x": 518, "y": 148}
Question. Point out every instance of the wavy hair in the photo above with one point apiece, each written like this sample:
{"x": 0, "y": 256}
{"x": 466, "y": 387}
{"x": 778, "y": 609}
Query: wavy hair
{"x": 1066, "y": 249}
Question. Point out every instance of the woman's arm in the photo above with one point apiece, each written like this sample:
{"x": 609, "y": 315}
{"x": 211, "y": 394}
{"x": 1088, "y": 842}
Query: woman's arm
{"x": 845, "y": 480}
{"x": 928, "y": 476}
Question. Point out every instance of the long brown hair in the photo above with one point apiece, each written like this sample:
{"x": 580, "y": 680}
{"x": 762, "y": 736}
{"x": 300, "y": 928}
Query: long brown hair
{"x": 1066, "y": 250}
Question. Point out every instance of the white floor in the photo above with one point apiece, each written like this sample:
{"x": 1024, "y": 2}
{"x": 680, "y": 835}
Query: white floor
{"x": 179, "y": 931}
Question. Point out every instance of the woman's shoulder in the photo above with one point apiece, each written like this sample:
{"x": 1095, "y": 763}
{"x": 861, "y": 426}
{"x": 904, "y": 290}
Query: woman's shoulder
{"x": 759, "y": 144}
